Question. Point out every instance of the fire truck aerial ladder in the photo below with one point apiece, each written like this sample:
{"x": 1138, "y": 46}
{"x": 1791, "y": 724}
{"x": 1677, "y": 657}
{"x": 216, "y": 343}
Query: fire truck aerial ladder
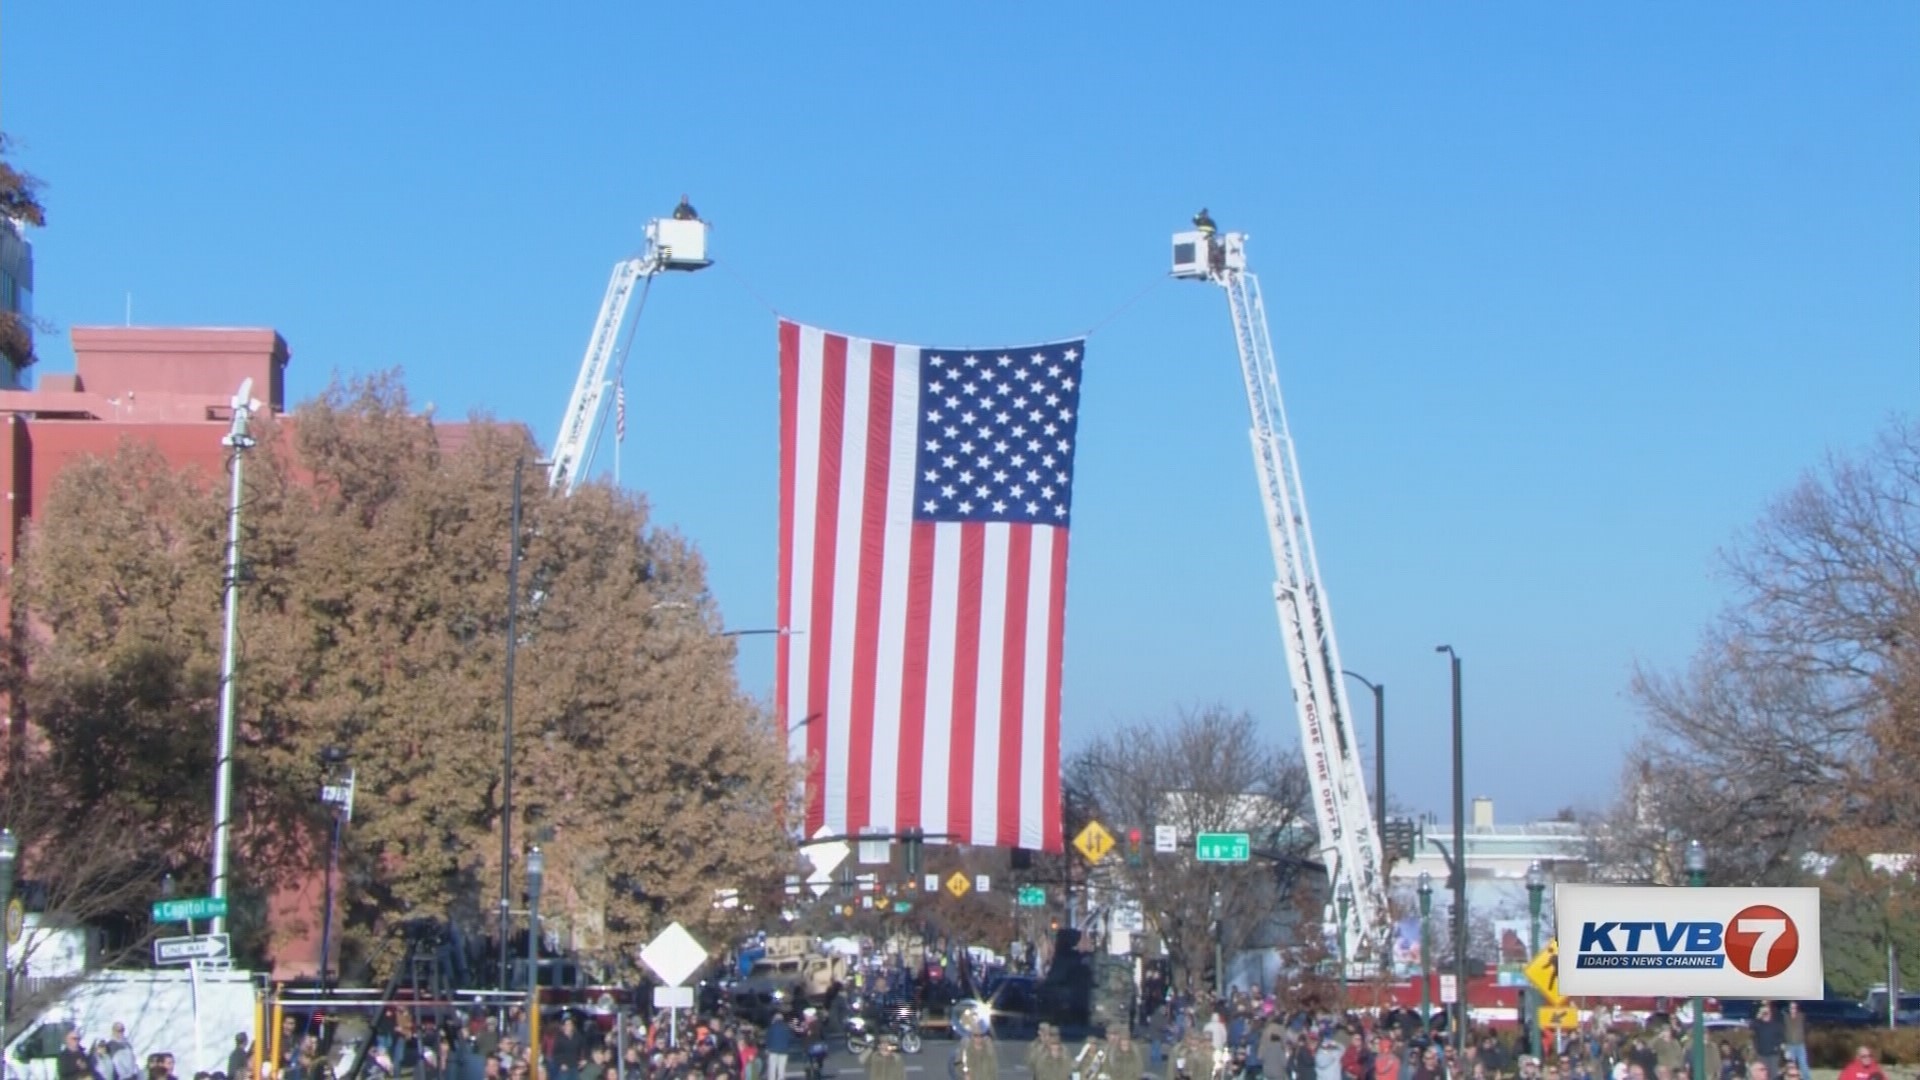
{"x": 675, "y": 243}
{"x": 1348, "y": 837}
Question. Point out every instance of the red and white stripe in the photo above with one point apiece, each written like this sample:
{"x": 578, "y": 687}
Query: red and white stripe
{"x": 921, "y": 680}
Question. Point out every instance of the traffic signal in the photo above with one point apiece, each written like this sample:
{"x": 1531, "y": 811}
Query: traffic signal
{"x": 913, "y": 843}
{"x": 846, "y": 881}
{"x": 1022, "y": 858}
{"x": 1135, "y": 856}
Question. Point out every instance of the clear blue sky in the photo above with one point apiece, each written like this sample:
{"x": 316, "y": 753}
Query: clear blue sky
{"x": 1563, "y": 293}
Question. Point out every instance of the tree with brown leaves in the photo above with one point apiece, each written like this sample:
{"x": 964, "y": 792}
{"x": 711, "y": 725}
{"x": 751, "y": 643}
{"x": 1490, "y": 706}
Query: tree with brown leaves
{"x": 1795, "y": 729}
{"x": 374, "y": 595}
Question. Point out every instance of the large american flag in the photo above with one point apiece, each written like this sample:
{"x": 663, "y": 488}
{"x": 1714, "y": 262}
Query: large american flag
{"x": 925, "y": 496}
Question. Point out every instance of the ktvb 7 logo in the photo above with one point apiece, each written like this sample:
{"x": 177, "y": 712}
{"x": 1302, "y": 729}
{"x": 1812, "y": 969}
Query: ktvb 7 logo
{"x": 1760, "y": 941}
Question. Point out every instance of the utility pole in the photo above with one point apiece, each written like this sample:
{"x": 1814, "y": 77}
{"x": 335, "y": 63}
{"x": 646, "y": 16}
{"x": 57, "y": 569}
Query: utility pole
{"x": 1459, "y": 860}
{"x": 239, "y": 442}
{"x": 506, "y": 726}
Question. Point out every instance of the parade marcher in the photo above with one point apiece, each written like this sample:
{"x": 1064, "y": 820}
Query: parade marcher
{"x": 1125, "y": 1059}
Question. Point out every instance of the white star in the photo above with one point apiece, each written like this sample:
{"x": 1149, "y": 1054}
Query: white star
{"x": 1038, "y": 358}
{"x": 933, "y": 416}
{"x": 1020, "y": 403}
{"x": 981, "y": 490}
{"x": 1046, "y": 493}
{"x": 1000, "y": 477}
{"x": 1032, "y": 476}
{"x": 1047, "y": 461}
{"x": 1019, "y": 431}
{"x": 953, "y": 403}
{"x": 1059, "y": 511}
{"x": 1051, "y": 429}
{"x": 969, "y": 389}
{"x": 1020, "y": 373}
{"x": 984, "y": 461}
{"x": 966, "y": 448}
{"x": 1065, "y": 446}
{"x": 986, "y": 432}
{"x": 1067, "y": 382}
{"x": 932, "y": 475}
{"x": 930, "y": 506}
{"x": 1017, "y": 460}
{"x": 1005, "y": 389}
{"x": 933, "y": 445}
{"x": 1066, "y": 414}
{"x": 966, "y": 508}
{"x": 1071, "y": 354}
{"x": 1052, "y": 400}
{"x": 1000, "y": 447}
{"x": 946, "y": 491}
{"x": 951, "y": 431}
{"x": 1034, "y": 445}
{"x": 967, "y": 417}
{"x": 933, "y": 388}
{"x": 972, "y": 361}
{"x": 999, "y": 507}
{"x": 1034, "y": 416}
{"x": 947, "y": 462}
{"x": 1005, "y": 361}
{"x": 966, "y": 477}
{"x": 935, "y": 361}
{"x": 1016, "y": 491}
{"x": 1061, "y": 478}
{"x": 1033, "y": 508}
{"x": 1053, "y": 372}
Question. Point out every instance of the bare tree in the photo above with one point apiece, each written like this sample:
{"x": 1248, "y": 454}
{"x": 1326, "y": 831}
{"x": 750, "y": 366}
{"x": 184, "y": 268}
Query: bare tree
{"x": 91, "y": 875}
{"x": 1797, "y": 714}
{"x": 1207, "y": 771}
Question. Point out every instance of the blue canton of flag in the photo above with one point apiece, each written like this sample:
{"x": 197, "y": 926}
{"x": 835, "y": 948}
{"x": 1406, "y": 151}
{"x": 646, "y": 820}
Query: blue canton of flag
{"x": 997, "y": 435}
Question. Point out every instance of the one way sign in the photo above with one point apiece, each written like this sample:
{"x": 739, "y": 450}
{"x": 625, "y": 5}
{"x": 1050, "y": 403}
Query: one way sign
{"x": 186, "y": 950}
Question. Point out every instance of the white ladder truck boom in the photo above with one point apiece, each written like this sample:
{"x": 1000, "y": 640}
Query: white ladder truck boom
{"x": 1348, "y": 836}
{"x": 675, "y": 243}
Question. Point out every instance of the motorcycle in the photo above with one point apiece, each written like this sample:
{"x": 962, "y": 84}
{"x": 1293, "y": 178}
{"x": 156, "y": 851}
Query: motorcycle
{"x": 902, "y": 1022}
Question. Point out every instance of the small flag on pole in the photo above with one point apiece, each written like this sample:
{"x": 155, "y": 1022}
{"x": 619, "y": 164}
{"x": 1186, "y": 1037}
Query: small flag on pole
{"x": 620, "y": 412}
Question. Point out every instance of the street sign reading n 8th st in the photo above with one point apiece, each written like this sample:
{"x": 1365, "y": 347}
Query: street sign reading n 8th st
{"x": 1223, "y": 847}
{"x": 192, "y": 907}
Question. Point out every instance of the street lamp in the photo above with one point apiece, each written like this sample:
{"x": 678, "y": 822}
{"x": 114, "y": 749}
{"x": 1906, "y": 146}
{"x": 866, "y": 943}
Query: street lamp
{"x": 1459, "y": 867}
{"x": 9, "y": 850}
{"x": 1536, "y": 887}
{"x": 1379, "y": 752}
{"x": 1344, "y": 897}
{"x": 1426, "y": 954}
{"x": 536, "y": 869}
{"x": 1697, "y": 877}
{"x": 336, "y": 793}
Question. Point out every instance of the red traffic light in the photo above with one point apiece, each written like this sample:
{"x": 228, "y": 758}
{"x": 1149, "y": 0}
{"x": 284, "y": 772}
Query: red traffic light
{"x": 1133, "y": 836}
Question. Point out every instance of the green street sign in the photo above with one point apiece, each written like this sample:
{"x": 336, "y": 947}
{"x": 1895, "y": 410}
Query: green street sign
{"x": 1032, "y": 896}
{"x": 903, "y": 906}
{"x": 1223, "y": 847}
{"x": 193, "y": 907}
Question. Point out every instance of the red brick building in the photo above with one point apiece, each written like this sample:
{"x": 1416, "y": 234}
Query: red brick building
{"x": 170, "y": 387}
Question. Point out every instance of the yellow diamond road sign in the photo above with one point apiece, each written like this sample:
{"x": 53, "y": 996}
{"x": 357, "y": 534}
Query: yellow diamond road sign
{"x": 1559, "y": 1018}
{"x": 1094, "y": 841}
{"x": 1544, "y": 973}
{"x": 958, "y": 884}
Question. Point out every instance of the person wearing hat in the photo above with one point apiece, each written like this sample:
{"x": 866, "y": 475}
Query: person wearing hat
{"x": 1125, "y": 1061}
{"x": 883, "y": 1061}
{"x": 1054, "y": 1064}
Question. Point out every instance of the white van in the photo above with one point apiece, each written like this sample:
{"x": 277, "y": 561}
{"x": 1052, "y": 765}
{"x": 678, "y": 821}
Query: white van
{"x": 165, "y": 1012}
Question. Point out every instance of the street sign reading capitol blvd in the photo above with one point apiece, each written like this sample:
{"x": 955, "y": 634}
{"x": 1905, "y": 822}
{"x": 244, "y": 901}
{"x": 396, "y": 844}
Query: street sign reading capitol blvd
{"x": 1632, "y": 941}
